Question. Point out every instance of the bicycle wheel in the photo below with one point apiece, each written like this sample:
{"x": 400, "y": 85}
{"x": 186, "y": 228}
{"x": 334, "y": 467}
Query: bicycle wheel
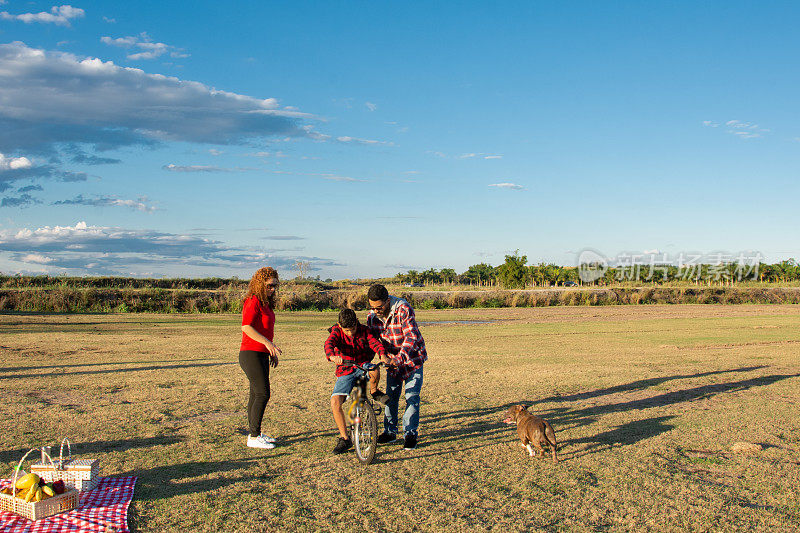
{"x": 365, "y": 432}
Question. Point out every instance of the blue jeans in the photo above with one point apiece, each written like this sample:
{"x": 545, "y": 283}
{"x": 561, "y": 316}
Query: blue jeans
{"x": 412, "y": 386}
{"x": 344, "y": 384}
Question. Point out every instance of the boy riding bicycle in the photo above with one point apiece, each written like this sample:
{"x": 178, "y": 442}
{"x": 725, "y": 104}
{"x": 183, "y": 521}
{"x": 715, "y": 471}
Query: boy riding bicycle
{"x": 351, "y": 342}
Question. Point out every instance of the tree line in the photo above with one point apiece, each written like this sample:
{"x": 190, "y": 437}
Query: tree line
{"x": 515, "y": 273}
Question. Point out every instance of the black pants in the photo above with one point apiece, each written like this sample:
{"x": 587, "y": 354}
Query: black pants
{"x": 256, "y": 366}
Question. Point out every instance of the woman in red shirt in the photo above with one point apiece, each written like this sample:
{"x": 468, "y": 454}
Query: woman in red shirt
{"x": 257, "y": 352}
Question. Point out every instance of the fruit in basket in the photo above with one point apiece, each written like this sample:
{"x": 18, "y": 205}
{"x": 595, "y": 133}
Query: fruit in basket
{"x": 31, "y": 493}
{"x": 39, "y": 495}
{"x": 48, "y": 490}
{"x": 27, "y": 481}
{"x": 58, "y": 486}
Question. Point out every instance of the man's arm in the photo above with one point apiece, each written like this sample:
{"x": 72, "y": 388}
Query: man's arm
{"x": 331, "y": 348}
{"x": 410, "y": 333}
{"x": 376, "y": 346}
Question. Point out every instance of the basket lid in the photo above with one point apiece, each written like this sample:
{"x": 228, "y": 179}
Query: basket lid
{"x": 70, "y": 464}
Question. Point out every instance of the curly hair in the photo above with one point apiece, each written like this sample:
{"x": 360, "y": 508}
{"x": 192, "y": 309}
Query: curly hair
{"x": 258, "y": 286}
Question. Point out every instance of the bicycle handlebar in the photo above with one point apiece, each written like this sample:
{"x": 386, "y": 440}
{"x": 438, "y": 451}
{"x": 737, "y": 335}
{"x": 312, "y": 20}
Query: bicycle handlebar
{"x": 364, "y": 366}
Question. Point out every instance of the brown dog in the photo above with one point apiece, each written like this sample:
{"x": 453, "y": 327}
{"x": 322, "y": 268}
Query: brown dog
{"x": 532, "y": 430}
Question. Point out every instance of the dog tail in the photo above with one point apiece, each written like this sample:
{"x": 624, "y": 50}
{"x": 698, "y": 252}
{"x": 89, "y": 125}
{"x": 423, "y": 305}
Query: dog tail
{"x": 550, "y": 435}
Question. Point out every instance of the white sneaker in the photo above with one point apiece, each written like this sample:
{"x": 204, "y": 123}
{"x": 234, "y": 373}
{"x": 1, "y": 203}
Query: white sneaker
{"x": 268, "y": 438}
{"x": 259, "y": 442}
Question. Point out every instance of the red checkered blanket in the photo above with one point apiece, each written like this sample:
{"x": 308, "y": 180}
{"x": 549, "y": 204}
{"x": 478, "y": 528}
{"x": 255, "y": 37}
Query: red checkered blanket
{"x": 103, "y": 509}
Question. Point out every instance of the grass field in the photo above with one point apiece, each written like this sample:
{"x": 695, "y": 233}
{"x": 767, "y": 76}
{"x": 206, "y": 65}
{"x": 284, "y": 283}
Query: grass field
{"x": 646, "y": 401}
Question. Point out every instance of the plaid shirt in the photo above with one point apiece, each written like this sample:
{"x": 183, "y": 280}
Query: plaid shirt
{"x": 400, "y": 334}
{"x": 360, "y": 348}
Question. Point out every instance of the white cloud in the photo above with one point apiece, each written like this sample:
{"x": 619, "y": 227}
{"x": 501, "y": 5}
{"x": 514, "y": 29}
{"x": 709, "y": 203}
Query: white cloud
{"x": 740, "y": 129}
{"x": 36, "y": 259}
{"x": 139, "y": 204}
{"x": 51, "y": 98}
{"x": 19, "y": 168}
{"x": 371, "y": 106}
{"x": 14, "y": 163}
{"x": 269, "y": 154}
{"x": 109, "y": 20}
{"x": 59, "y": 15}
{"x": 342, "y": 178}
{"x": 354, "y": 140}
{"x": 202, "y": 168}
{"x": 111, "y": 250}
{"x": 512, "y": 186}
{"x": 480, "y": 154}
{"x": 148, "y": 48}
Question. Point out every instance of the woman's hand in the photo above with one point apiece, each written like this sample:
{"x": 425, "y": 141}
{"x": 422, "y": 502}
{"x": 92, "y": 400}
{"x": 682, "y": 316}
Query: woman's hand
{"x": 272, "y": 349}
{"x": 336, "y": 359}
{"x": 273, "y": 360}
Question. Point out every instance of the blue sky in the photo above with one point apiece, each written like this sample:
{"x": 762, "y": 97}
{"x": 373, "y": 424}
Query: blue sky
{"x": 209, "y": 138}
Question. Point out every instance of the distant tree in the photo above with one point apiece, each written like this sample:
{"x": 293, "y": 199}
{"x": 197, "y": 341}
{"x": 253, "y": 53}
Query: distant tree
{"x": 480, "y": 273}
{"x": 513, "y": 273}
{"x": 448, "y": 275}
{"x": 537, "y": 273}
{"x": 551, "y": 273}
{"x": 302, "y": 268}
{"x": 430, "y": 276}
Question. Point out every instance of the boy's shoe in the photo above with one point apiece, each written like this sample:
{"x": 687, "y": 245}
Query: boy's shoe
{"x": 380, "y": 397}
{"x": 259, "y": 442}
{"x": 384, "y": 437}
{"x": 342, "y": 446}
{"x": 268, "y": 438}
{"x": 410, "y": 442}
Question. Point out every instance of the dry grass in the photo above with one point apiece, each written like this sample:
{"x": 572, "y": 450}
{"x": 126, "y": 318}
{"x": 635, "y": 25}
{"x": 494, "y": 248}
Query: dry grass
{"x": 647, "y": 403}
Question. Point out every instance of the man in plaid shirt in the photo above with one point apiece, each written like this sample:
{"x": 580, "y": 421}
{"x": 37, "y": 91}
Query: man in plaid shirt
{"x": 392, "y": 319}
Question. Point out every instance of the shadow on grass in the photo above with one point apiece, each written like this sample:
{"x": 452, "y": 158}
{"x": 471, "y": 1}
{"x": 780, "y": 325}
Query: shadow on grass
{"x": 623, "y": 435}
{"x": 486, "y": 424}
{"x": 97, "y": 447}
{"x": 565, "y": 415}
{"x": 53, "y": 367}
{"x": 294, "y": 438}
{"x": 641, "y": 384}
{"x": 166, "y": 481}
{"x": 116, "y": 370}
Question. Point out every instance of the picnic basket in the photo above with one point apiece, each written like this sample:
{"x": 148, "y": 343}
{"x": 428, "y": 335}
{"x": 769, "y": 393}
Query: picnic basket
{"x": 35, "y": 510}
{"x": 81, "y": 474}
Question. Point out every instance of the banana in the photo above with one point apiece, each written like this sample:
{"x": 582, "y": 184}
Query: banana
{"x": 27, "y": 481}
{"x": 31, "y": 493}
{"x": 48, "y": 490}
{"x": 39, "y": 495}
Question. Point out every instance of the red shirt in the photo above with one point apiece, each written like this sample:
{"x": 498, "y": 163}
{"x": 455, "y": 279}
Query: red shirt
{"x": 360, "y": 348}
{"x": 261, "y": 318}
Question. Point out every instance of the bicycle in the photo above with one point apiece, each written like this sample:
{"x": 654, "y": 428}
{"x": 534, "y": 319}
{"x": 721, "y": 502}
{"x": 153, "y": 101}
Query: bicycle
{"x": 360, "y": 416}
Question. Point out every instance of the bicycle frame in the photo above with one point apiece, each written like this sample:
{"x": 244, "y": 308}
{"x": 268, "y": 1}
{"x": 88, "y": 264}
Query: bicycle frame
{"x": 360, "y": 387}
{"x": 361, "y": 416}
